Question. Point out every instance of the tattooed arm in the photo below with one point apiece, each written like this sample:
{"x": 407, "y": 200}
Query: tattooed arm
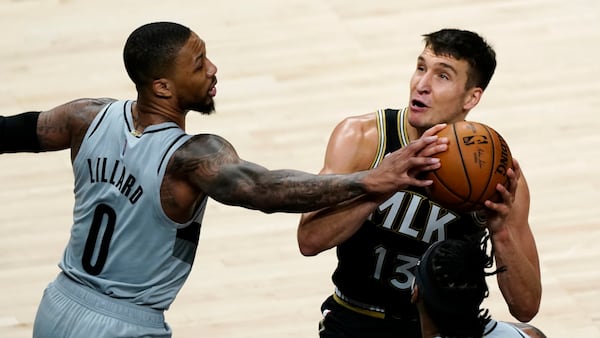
{"x": 211, "y": 165}
{"x": 64, "y": 126}
{"x": 59, "y": 128}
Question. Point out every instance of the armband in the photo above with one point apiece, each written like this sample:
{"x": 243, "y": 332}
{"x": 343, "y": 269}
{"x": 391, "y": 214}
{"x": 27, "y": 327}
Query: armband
{"x": 18, "y": 133}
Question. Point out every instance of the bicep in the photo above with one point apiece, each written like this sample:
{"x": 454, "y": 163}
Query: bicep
{"x": 211, "y": 164}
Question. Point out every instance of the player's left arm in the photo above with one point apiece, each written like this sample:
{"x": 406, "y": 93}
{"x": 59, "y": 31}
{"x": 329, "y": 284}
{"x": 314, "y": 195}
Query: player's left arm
{"x": 515, "y": 248}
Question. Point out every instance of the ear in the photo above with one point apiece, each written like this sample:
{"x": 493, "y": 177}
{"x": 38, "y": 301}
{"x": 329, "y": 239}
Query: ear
{"x": 472, "y": 98}
{"x": 162, "y": 88}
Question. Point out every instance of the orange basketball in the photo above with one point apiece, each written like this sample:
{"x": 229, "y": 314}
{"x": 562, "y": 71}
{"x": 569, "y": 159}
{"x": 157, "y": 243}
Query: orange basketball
{"x": 477, "y": 160}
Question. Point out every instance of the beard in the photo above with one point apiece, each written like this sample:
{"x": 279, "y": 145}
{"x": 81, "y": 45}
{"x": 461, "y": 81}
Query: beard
{"x": 205, "y": 108}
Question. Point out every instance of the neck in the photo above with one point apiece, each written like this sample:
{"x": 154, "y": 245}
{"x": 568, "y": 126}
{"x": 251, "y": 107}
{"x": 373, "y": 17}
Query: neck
{"x": 147, "y": 113}
{"x": 414, "y": 133}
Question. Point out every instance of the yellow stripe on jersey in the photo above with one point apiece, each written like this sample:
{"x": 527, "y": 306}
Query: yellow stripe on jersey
{"x": 380, "y": 115}
{"x": 351, "y": 307}
{"x": 402, "y": 127}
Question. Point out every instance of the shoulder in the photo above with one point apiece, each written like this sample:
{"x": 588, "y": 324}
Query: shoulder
{"x": 205, "y": 150}
{"x": 352, "y": 145}
{"x": 358, "y": 122}
{"x": 357, "y": 128}
{"x": 206, "y": 144}
{"x": 78, "y": 113}
{"x": 65, "y": 125}
{"x": 85, "y": 106}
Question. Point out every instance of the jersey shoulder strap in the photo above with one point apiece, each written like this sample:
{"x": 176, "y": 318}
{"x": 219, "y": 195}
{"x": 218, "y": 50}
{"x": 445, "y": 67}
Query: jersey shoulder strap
{"x": 391, "y": 132}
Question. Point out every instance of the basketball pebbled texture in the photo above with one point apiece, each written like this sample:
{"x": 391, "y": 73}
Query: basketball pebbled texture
{"x": 477, "y": 160}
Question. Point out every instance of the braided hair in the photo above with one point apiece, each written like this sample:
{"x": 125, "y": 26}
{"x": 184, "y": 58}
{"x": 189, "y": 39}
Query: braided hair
{"x": 451, "y": 280}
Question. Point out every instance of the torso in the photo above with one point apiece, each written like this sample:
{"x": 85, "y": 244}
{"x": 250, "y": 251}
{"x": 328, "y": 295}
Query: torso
{"x": 376, "y": 265}
{"x": 122, "y": 241}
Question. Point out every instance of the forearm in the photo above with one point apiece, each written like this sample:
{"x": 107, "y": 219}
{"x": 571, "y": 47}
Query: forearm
{"x": 324, "y": 229}
{"x": 520, "y": 284}
{"x": 288, "y": 190}
{"x": 18, "y": 133}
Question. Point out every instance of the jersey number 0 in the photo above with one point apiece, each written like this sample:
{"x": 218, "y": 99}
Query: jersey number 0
{"x": 102, "y": 212}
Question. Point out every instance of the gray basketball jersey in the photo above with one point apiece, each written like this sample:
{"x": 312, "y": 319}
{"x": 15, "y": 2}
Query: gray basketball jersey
{"x": 122, "y": 244}
{"x": 495, "y": 329}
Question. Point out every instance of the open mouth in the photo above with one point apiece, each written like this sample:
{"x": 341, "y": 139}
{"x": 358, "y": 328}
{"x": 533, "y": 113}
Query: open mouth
{"x": 418, "y": 104}
{"x": 213, "y": 90}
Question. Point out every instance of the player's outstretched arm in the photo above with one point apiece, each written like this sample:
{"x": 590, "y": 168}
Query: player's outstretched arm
{"x": 212, "y": 165}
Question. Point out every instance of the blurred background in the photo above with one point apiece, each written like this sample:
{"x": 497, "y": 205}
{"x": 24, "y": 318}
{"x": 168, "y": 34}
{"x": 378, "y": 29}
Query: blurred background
{"x": 288, "y": 72}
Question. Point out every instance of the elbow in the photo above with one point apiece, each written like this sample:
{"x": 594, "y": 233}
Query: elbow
{"x": 308, "y": 244}
{"x": 308, "y": 250}
{"x": 524, "y": 316}
{"x": 526, "y": 313}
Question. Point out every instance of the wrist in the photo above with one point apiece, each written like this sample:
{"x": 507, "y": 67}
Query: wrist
{"x": 500, "y": 236}
{"x": 19, "y": 133}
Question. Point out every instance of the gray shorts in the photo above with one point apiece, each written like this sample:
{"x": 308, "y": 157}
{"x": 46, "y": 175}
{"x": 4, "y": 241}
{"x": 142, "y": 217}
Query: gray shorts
{"x": 71, "y": 310}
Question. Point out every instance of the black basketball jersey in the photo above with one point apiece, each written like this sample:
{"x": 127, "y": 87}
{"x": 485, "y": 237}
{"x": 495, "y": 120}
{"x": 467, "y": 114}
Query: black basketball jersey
{"x": 376, "y": 265}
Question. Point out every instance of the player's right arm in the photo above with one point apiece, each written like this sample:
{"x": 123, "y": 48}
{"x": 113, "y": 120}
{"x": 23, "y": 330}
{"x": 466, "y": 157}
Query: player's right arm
{"x": 351, "y": 147}
{"x": 59, "y": 128}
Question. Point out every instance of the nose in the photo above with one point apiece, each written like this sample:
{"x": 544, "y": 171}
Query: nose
{"x": 423, "y": 83}
{"x": 211, "y": 69}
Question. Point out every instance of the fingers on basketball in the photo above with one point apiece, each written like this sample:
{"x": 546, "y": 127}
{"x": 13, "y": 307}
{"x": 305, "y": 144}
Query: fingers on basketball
{"x": 477, "y": 159}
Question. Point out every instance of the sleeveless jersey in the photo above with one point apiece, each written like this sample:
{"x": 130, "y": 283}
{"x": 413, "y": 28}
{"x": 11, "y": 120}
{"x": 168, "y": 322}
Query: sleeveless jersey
{"x": 376, "y": 265}
{"x": 496, "y": 329}
{"x": 122, "y": 243}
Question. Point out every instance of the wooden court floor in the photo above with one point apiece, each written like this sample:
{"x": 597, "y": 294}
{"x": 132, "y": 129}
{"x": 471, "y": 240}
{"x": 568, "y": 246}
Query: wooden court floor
{"x": 288, "y": 72}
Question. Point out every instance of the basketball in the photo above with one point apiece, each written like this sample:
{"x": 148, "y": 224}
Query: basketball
{"x": 477, "y": 159}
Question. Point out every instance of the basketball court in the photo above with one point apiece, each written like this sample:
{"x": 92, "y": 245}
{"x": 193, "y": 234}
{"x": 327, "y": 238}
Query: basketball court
{"x": 288, "y": 72}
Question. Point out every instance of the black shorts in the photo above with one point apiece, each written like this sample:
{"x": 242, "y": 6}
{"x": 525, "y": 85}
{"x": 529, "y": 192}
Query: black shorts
{"x": 339, "y": 321}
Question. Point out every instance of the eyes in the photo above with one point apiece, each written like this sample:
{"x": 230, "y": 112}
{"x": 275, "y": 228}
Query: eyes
{"x": 438, "y": 72}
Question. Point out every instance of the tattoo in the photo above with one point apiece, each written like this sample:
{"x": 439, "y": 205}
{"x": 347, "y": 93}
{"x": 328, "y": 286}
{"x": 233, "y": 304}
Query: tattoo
{"x": 296, "y": 191}
{"x": 65, "y": 126}
{"x": 211, "y": 164}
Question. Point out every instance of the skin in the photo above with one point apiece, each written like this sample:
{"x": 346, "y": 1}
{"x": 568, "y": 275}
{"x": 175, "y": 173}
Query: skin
{"x": 208, "y": 165}
{"x": 438, "y": 94}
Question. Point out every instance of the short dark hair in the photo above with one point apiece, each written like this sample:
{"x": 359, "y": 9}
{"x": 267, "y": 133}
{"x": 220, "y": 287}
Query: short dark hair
{"x": 468, "y": 46}
{"x": 151, "y": 49}
{"x": 451, "y": 281}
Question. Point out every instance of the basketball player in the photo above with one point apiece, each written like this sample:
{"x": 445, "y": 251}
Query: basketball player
{"x": 448, "y": 290}
{"x": 142, "y": 184}
{"x": 379, "y": 239}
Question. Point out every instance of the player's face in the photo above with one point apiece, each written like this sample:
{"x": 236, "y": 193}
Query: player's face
{"x": 195, "y": 77}
{"x": 437, "y": 91}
